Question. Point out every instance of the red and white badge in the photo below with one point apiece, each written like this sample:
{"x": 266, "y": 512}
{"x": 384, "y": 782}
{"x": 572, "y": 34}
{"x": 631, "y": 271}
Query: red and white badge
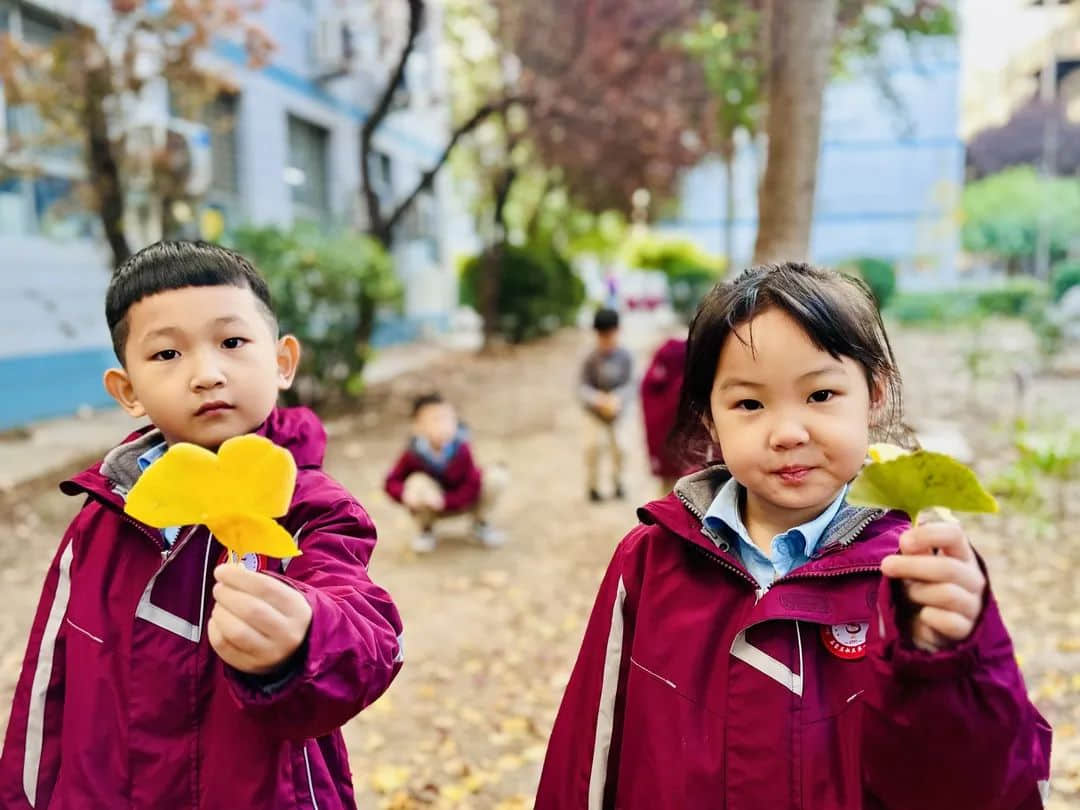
{"x": 847, "y": 641}
{"x": 251, "y": 561}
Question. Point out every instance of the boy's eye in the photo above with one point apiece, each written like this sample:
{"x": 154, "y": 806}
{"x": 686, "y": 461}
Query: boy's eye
{"x": 165, "y": 354}
{"x": 822, "y": 396}
{"x": 748, "y": 405}
{"x": 234, "y": 342}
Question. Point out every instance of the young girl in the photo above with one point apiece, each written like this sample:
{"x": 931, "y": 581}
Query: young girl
{"x": 757, "y": 643}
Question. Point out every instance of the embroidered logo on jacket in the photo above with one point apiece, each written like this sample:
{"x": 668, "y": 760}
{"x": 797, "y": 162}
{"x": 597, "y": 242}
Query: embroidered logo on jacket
{"x": 847, "y": 641}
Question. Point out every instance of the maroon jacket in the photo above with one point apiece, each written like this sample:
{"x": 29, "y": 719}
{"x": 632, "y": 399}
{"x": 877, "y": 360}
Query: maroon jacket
{"x": 460, "y": 478}
{"x": 696, "y": 689}
{"x": 122, "y": 703}
{"x": 660, "y": 389}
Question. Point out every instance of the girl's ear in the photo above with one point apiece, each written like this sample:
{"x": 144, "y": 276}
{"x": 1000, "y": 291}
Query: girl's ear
{"x": 879, "y": 401}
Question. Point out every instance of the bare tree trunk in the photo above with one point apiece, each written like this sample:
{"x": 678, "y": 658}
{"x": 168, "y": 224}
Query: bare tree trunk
{"x": 727, "y": 154}
{"x": 801, "y": 34}
{"x": 492, "y": 282}
{"x": 104, "y": 173}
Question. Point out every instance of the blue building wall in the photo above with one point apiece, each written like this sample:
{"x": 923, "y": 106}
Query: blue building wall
{"x": 889, "y": 172}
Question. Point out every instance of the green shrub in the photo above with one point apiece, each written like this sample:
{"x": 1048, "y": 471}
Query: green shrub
{"x": 538, "y": 290}
{"x": 1013, "y": 298}
{"x": 1066, "y": 276}
{"x": 327, "y": 290}
{"x": 690, "y": 271}
{"x": 934, "y": 309}
{"x": 878, "y": 274}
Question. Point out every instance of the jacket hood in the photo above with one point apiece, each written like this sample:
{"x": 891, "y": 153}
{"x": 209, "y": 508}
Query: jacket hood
{"x": 298, "y": 430}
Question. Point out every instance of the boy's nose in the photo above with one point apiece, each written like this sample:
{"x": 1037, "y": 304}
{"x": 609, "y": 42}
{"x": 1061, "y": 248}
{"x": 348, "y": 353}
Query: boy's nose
{"x": 207, "y": 376}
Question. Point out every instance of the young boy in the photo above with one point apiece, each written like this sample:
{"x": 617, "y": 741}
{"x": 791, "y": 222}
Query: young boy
{"x": 155, "y": 676}
{"x": 605, "y": 390}
{"x": 437, "y": 478}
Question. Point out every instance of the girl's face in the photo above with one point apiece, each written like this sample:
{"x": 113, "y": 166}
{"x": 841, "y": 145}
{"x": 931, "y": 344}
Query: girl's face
{"x": 792, "y": 421}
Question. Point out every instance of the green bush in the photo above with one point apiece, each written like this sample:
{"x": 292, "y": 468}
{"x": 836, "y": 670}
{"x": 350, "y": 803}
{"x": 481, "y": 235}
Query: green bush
{"x": 878, "y": 274}
{"x": 934, "y": 309}
{"x": 690, "y": 271}
{"x": 538, "y": 290}
{"x": 1013, "y": 299}
{"x": 327, "y": 290}
{"x": 1066, "y": 276}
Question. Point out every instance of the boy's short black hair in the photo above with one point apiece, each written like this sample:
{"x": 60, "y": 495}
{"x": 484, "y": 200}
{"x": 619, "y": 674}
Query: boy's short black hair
{"x": 173, "y": 265}
{"x": 422, "y": 401}
{"x": 605, "y": 320}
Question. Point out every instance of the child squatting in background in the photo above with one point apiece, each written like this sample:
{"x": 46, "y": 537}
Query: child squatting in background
{"x": 607, "y": 377}
{"x": 757, "y": 642}
{"x": 154, "y": 676}
{"x": 436, "y": 477}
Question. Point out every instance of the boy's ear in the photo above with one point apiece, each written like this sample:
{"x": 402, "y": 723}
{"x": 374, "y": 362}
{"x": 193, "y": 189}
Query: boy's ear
{"x": 118, "y": 384}
{"x": 288, "y": 360}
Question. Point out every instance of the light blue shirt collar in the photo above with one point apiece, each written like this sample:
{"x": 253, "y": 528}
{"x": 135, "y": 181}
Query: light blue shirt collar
{"x": 150, "y": 456}
{"x": 789, "y": 550}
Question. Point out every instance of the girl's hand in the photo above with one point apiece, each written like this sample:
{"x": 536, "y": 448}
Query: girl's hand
{"x": 258, "y": 621}
{"x": 942, "y": 579}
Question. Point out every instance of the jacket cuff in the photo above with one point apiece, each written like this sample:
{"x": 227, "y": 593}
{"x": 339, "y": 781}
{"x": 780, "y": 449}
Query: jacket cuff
{"x": 894, "y": 645}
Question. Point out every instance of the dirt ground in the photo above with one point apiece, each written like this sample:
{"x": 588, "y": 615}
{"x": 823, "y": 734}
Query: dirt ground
{"x": 490, "y": 635}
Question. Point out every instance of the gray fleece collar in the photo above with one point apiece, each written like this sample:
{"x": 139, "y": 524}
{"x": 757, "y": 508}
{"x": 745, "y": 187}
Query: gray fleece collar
{"x": 121, "y": 464}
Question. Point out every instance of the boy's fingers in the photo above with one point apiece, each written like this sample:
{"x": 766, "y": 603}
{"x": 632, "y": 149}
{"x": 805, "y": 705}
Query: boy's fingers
{"x": 951, "y": 625}
{"x": 947, "y": 538}
{"x": 925, "y": 568}
{"x": 250, "y": 609}
{"x": 237, "y": 633}
{"x": 946, "y": 596}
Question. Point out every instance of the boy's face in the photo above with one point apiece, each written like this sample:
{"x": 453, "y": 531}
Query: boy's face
{"x": 203, "y": 363}
{"x": 437, "y": 423}
{"x": 607, "y": 339}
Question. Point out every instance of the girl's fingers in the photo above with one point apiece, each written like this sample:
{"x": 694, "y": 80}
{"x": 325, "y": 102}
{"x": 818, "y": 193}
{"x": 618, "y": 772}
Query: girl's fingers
{"x": 927, "y": 639}
{"x": 951, "y": 625}
{"x": 946, "y": 596}
{"x": 941, "y": 568}
{"x": 937, "y": 538}
{"x": 237, "y": 633}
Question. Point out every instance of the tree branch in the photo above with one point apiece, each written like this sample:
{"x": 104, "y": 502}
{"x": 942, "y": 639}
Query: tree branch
{"x": 428, "y": 177}
{"x": 380, "y": 228}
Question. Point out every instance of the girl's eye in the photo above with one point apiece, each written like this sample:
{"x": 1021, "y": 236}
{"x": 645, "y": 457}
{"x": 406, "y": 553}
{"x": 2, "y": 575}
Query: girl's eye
{"x": 234, "y": 342}
{"x": 822, "y": 396}
{"x": 748, "y": 405}
{"x": 165, "y": 354}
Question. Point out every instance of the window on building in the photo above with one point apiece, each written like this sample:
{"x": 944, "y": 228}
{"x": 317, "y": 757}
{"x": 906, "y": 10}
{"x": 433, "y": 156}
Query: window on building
{"x": 306, "y": 173}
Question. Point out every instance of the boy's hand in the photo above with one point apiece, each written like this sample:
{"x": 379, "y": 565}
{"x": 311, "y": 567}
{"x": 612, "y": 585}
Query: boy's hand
{"x": 258, "y": 621}
{"x": 942, "y": 579}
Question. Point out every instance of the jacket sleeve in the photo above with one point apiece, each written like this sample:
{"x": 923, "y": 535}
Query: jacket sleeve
{"x": 395, "y": 480}
{"x": 353, "y": 648}
{"x": 465, "y": 492}
{"x": 582, "y": 760}
{"x": 30, "y": 760}
{"x": 953, "y": 728}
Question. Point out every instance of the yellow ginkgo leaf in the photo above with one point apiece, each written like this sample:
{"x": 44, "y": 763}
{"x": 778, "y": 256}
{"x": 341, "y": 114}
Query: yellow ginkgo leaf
{"x": 236, "y": 493}
{"x": 914, "y": 482}
{"x": 252, "y": 534}
{"x": 886, "y": 452}
{"x": 179, "y": 489}
{"x": 259, "y": 475}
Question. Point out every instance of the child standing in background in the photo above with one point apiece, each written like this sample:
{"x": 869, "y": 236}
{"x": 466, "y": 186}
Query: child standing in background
{"x": 660, "y": 389}
{"x": 436, "y": 477}
{"x": 605, "y": 390}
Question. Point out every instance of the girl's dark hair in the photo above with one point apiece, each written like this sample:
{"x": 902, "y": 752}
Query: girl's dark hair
{"x": 836, "y": 311}
{"x": 171, "y": 265}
